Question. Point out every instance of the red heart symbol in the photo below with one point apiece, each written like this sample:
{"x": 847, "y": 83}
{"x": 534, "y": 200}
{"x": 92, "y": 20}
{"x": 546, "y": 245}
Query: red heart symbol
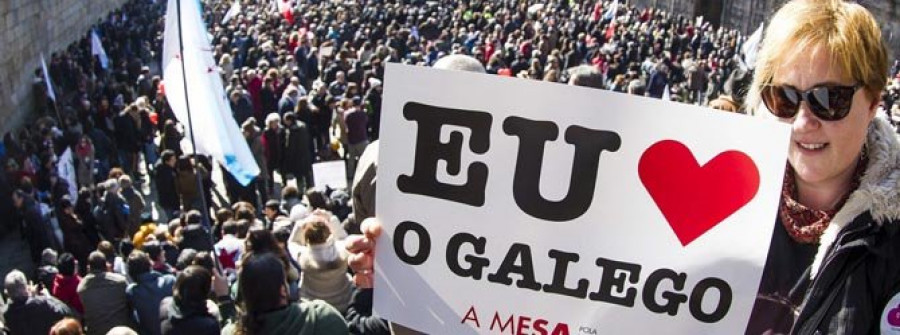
{"x": 695, "y": 198}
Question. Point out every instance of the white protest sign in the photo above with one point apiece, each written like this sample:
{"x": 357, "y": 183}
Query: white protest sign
{"x": 513, "y": 206}
{"x": 331, "y": 173}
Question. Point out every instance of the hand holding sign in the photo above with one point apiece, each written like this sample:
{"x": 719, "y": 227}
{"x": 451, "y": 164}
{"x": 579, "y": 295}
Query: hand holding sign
{"x": 362, "y": 249}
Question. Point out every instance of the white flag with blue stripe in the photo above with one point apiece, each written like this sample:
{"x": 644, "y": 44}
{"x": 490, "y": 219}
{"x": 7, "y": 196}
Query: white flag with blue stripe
{"x": 97, "y": 50}
{"x": 217, "y": 133}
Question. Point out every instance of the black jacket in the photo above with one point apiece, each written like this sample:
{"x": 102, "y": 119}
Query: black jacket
{"x": 35, "y": 315}
{"x": 165, "y": 185}
{"x": 859, "y": 275}
{"x": 844, "y": 284}
{"x": 359, "y": 315}
{"x": 297, "y": 143}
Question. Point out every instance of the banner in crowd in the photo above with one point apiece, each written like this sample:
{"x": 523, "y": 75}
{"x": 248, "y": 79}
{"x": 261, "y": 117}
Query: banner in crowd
{"x": 218, "y": 134}
{"x": 331, "y": 173}
{"x": 517, "y": 206}
{"x": 65, "y": 169}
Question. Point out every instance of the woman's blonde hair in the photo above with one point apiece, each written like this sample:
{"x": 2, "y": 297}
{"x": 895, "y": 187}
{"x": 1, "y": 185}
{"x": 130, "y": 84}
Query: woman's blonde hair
{"x": 846, "y": 30}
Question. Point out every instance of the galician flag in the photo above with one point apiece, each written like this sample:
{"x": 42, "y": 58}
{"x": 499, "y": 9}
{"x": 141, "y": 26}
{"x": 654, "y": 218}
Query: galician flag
{"x": 751, "y": 47}
{"x": 232, "y": 12}
{"x": 97, "y": 50}
{"x": 47, "y": 82}
{"x": 217, "y": 133}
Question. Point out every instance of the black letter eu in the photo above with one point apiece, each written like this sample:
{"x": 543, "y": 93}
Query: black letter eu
{"x": 533, "y": 135}
{"x": 429, "y": 150}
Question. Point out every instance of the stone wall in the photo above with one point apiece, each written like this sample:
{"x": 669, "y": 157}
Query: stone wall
{"x": 29, "y": 28}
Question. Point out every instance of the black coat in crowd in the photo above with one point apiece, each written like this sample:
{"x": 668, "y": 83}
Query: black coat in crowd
{"x": 165, "y": 186}
{"x": 297, "y": 145}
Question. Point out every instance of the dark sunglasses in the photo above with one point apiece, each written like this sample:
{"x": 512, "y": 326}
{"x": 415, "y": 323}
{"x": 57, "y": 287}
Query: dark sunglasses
{"x": 827, "y": 102}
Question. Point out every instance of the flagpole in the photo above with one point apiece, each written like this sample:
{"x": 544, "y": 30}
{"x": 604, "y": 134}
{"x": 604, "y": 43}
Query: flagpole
{"x": 204, "y": 209}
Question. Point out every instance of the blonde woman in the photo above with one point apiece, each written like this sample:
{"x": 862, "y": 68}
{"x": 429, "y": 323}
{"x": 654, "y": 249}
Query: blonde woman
{"x": 834, "y": 262}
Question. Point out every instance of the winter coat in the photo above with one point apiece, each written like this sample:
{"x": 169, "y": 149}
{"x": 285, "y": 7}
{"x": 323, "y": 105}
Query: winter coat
{"x": 136, "y": 207}
{"x": 297, "y": 159}
{"x": 255, "y": 143}
{"x": 327, "y": 281}
{"x": 128, "y": 133}
{"x": 36, "y": 228}
{"x": 165, "y": 186}
{"x": 359, "y": 315}
{"x": 35, "y": 315}
{"x": 116, "y": 224}
{"x": 851, "y": 280}
{"x": 145, "y": 296}
{"x": 273, "y": 148}
{"x": 304, "y": 318}
{"x": 105, "y": 302}
{"x": 242, "y": 109}
{"x": 65, "y": 288}
{"x": 186, "y": 321}
{"x": 269, "y": 101}
{"x": 75, "y": 240}
{"x": 186, "y": 185}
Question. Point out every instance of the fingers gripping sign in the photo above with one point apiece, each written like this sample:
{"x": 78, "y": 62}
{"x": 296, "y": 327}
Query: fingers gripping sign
{"x": 362, "y": 250}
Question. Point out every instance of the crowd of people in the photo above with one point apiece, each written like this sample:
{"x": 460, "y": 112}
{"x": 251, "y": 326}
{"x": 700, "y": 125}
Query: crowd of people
{"x": 134, "y": 238}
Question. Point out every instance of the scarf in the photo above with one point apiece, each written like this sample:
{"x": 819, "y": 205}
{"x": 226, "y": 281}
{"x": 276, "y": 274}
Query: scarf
{"x": 806, "y": 225}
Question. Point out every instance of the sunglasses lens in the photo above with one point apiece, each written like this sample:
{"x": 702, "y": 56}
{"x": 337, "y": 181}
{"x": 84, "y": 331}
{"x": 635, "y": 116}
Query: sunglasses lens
{"x": 840, "y": 100}
{"x": 781, "y": 101}
{"x": 820, "y": 103}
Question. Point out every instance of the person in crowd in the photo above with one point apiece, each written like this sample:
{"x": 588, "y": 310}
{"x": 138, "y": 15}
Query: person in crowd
{"x": 241, "y": 107}
{"x": 357, "y": 124}
{"x": 257, "y": 145}
{"x": 833, "y": 262}
{"x": 128, "y": 137}
{"x": 297, "y": 142}
{"x": 272, "y": 212}
{"x": 288, "y": 101}
{"x": 48, "y": 270}
{"x": 585, "y": 75}
{"x": 116, "y": 263}
{"x": 194, "y": 235}
{"x": 373, "y": 106}
{"x": 31, "y": 311}
{"x": 274, "y": 150}
{"x": 85, "y": 162}
{"x": 157, "y": 254}
{"x": 112, "y": 211}
{"x": 324, "y": 265}
{"x": 67, "y": 326}
{"x": 265, "y": 308}
{"x": 290, "y": 198}
{"x": 147, "y": 290}
{"x": 34, "y": 226}
{"x": 268, "y": 97}
{"x": 187, "y": 311}
{"x": 136, "y": 205}
{"x": 229, "y": 248}
{"x": 103, "y": 295}
{"x": 75, "y": 239}
{"x": 186, "y": 183}
{"x": 263, "y": 241}
{"x": 65, "y": 284}
{"x": 166, "y": 189}
{"x": 171, "y": 138}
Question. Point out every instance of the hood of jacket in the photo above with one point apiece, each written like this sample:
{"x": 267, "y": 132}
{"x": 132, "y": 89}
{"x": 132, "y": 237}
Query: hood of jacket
{"x": 879, "y": 188}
